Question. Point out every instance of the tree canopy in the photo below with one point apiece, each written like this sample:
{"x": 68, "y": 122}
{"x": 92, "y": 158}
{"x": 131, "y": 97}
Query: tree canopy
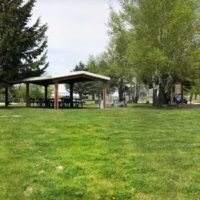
{"x": 166, "y": 43}
{"x": 155, "y": 41}
{"x": 22, "y": 46}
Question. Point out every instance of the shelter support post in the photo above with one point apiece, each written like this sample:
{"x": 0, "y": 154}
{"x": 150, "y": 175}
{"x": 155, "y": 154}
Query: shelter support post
{"x": 71, "y": 95}
{"x": 27, "y": 94}
{"x": 104, "y": 94}
{"x": 6, "y": 97}
{"x": 56, "y": 96}
{"x": 45, "y": 94}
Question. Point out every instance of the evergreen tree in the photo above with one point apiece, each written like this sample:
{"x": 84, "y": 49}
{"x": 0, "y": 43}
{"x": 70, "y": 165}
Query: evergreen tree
{"x": 22, "y": 47}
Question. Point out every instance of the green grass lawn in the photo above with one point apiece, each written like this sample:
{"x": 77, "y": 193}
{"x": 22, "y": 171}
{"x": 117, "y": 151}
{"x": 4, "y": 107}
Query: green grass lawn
{"x": 125, "y": 153}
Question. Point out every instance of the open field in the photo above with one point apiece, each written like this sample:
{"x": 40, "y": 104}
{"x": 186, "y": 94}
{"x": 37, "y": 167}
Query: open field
{"x": 125, "y": 153}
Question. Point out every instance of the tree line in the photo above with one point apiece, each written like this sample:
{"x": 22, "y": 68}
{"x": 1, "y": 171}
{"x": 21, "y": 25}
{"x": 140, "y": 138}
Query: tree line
{"x": 155, "y": 41}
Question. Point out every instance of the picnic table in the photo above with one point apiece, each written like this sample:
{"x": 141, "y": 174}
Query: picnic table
{"x": 49, "y": 103}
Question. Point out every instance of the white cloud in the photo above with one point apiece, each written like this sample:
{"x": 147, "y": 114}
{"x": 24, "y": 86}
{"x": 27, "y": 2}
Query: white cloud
{"x": 77, "y": 29}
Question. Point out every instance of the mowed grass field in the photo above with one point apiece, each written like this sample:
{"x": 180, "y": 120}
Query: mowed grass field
{"x": 124, "y": 153}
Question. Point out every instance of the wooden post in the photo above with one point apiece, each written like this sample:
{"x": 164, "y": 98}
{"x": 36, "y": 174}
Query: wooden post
{"x": 56, "y": 96}
{"x": 46, "y": 94}
{"x": 27, "y": 95}
{"x": 104, "y": 94}
{"x": 71, "y": 95}
{"x": 6, "y": 97}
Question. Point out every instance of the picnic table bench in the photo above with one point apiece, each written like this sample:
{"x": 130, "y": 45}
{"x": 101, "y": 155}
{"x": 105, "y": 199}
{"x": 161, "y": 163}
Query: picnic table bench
{"x": 49, "y": 103}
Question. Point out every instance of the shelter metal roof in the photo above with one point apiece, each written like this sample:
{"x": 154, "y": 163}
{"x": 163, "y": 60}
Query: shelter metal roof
{"x": 78, "y": 76}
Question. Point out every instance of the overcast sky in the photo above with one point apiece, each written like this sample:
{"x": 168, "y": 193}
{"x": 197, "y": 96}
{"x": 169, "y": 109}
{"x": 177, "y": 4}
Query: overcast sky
{"x": 77, "y": 29}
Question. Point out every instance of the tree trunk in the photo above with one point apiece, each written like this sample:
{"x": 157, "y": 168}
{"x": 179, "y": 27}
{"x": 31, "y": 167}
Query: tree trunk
{"x": 137, "y": 94}
{"x": 181, "y": 94}
{"x": 129, "y": 96}
{"x": 121, "y": 93}
{"x": 93, "y": 97}
{"x": 191, "y": 96}
{"x": 171, "y": 95}
{"x": 155, "y": 98}
{"x": 6, "y": 97}
{"x": 162, "y": 96}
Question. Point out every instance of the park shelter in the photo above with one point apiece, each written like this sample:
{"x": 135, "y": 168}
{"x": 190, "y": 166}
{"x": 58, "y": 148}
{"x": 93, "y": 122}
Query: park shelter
{"x": 70, "y": 78}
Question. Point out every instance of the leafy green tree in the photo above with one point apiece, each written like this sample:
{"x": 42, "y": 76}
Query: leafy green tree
{"x": 22, "y": 47}
{"x": 101, "y": 65}
{"x": 36, "y": 91}
{"x": 119, "y": 68}
{"x": 166, "y": 43}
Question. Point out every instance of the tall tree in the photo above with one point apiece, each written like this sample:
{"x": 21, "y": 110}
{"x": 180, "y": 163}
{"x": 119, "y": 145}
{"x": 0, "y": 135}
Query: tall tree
{"x": 120, "y": 69}
{"x": 167, "y": 43}
{"x": 22, "y": 46}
